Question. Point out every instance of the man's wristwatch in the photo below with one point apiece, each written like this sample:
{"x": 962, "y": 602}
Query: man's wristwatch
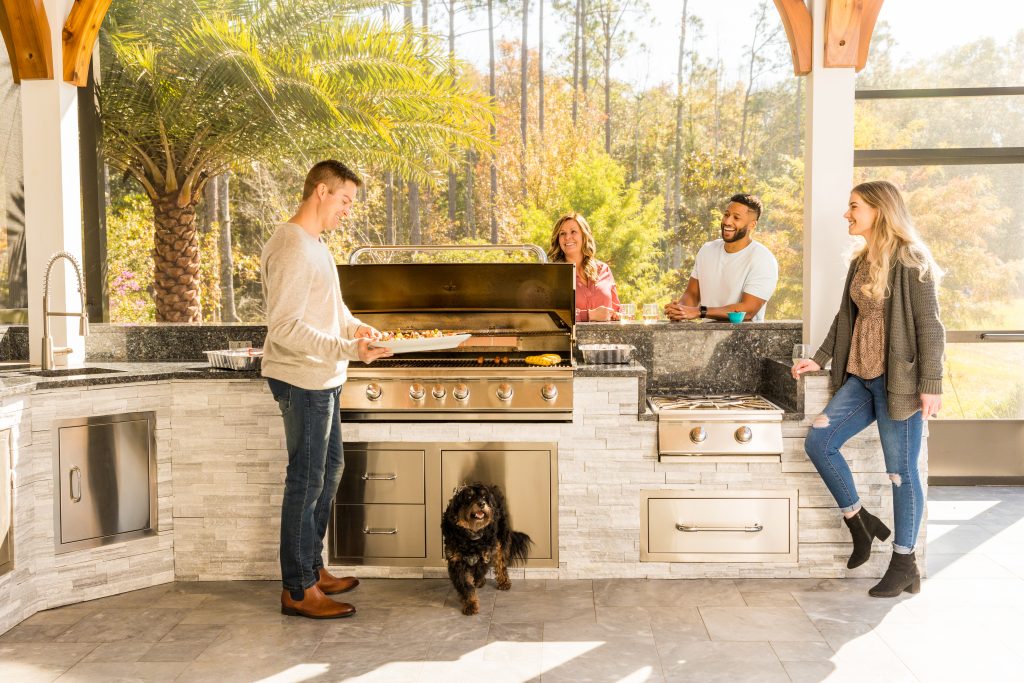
{"x": 703, "y": 311}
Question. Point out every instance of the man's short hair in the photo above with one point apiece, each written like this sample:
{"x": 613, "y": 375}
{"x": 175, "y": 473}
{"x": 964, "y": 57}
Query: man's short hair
{"x": 752, "y": 202}
{"x": 326, "y": 171}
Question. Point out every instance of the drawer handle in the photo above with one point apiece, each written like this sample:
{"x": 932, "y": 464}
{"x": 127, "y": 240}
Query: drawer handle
{"x": 386, "y": 532}
{"x": 379, "y": 476}
{"x": 693, "y": 528}
{"x": 71, "y": 483}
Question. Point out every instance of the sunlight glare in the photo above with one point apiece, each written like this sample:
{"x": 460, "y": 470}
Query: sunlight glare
{"x": 297, "y": 674}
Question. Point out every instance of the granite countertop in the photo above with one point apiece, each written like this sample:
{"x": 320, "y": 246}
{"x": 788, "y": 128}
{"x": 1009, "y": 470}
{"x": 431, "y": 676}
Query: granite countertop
{"x": 18, "y": 377}
{"x": 630, "y": 369}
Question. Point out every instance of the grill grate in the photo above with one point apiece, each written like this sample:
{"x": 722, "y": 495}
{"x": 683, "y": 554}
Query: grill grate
{"x": 713, "y": 402}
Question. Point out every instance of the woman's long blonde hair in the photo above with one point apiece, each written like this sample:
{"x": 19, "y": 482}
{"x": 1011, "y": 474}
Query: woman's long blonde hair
{"x": 556, "y": 255}
{"x": 893, "y": 236}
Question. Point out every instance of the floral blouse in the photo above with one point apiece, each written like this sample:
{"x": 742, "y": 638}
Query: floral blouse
{"x": 600, "y": 292}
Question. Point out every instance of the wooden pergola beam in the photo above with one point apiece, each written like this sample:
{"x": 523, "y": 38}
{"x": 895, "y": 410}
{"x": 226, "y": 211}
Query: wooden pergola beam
{"x": 26, "y": 33}
{"x": 796, "y": 19}
{"x": 79, "y": 36}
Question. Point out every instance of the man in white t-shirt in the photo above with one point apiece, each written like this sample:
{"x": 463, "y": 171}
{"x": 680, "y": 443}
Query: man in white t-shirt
{"x": 733, "y": 273}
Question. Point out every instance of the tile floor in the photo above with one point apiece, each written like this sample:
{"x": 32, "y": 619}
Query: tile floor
{"x": 966, "y": 625}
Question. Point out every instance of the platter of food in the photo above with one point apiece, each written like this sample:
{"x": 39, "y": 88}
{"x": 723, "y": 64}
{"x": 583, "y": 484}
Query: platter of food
{"x": 419, "y": 340}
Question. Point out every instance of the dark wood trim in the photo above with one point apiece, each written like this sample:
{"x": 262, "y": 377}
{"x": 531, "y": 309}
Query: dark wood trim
{"x": 26, "y": 33}
{"x": 906, "y": 93}
{"x": 964, "y": 156}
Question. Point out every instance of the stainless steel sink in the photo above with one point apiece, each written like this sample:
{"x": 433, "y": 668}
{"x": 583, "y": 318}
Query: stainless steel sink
{"x": 71, "y": 372}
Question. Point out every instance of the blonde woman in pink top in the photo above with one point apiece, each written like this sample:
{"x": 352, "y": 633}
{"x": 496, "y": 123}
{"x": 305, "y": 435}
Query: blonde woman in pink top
{"x": 572, "y": 241}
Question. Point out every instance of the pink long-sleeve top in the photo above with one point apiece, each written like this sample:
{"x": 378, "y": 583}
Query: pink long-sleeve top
{"x": 600, "y": 292}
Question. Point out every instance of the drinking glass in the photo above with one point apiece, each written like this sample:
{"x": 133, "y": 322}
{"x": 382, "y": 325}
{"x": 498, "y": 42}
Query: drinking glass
{"x": 801, "y": 351}
{"x": 627, "y": 312}
{"x": 651, "y": 313}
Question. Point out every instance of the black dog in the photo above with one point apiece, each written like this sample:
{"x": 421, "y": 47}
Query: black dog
{"x": 477, "y": 535}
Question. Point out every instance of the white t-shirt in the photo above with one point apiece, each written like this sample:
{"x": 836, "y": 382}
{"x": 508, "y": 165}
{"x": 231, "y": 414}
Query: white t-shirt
{"x": 724, "y": 277}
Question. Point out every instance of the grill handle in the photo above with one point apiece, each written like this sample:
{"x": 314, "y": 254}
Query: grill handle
{"x": 693, "y": 528}
{"x": 539, "y": 253}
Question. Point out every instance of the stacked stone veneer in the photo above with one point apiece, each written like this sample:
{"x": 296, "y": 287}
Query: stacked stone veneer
{"x": 221, "y": 465}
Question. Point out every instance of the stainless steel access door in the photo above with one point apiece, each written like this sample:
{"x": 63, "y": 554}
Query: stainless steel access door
{"x": 106, "y": 479}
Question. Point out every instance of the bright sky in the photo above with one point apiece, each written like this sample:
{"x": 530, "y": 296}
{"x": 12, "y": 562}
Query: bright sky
{"x": 922, "y": 28}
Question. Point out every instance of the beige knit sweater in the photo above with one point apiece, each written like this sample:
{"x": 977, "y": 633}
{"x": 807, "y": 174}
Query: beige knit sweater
{"x": 916, "y": 340}
{"x": 309, "y": 329}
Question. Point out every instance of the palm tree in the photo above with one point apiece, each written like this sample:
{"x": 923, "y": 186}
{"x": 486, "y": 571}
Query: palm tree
{"x": 191, "y": 86}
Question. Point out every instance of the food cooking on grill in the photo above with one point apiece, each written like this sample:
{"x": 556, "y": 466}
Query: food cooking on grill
{"x": 544, "y": 359}
{"x": 410, "y": 334}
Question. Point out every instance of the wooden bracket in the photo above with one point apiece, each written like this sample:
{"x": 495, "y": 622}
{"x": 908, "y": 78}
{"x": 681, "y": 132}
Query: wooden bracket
{"x": 796, "y": 19}
{"x": 26, "y": 33}
{"x": 842, "y": 32}
{"x": 79, "y": 36}
{"x": 868, "y": 17}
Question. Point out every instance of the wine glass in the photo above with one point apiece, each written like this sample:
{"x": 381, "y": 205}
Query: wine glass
{"x": 801, "y": 351}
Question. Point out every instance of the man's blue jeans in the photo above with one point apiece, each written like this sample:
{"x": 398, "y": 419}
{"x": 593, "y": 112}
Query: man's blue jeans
{"x": 316, "y": 459}
{"x": 856, "y": 405}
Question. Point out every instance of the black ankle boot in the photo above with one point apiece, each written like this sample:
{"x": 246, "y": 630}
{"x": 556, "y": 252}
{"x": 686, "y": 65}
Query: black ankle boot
{"x": 902, "y": 575}
{"x": 864, "y": 528}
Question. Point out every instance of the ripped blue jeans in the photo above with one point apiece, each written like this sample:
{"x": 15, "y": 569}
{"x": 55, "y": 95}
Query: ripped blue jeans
{"x": 854, "y": 407}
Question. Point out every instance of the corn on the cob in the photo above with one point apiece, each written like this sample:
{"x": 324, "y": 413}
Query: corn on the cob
{"x": 544, "y": 359}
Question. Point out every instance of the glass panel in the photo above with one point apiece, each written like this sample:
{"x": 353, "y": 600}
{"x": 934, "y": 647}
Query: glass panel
{"x": 972, "y": 218}
{"x": 940, "y": 122}
{"x": 946, "y": 44}
{"x": 984, "y": 381}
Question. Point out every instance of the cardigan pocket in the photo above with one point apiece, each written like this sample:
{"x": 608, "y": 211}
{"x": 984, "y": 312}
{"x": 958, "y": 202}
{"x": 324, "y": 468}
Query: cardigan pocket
{"x": 902, "y": 376}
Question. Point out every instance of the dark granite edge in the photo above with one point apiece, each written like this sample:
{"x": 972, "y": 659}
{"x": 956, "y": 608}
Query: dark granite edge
{"x": 697, "y": 324}
{"x": 18, "y": 381}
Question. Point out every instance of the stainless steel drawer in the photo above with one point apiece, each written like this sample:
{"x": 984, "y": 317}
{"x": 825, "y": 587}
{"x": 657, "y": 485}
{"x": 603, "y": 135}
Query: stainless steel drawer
{"x": 720, "y": 526}
{"x": 363, "y": 534}
{"x": 382, "y": 476}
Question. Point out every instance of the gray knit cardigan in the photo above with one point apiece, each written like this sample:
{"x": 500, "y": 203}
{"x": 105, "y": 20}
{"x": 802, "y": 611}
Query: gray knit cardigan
{"x": 915, "y": 339}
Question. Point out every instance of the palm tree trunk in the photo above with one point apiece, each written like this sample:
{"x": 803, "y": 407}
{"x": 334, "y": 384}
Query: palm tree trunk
{"x": 175, "y": 261}
{"x": 227, "y": 284}
{"x": 540, "y": 70}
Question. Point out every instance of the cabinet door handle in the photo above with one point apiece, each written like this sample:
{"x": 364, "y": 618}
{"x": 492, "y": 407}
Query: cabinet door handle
{"x": 71, "y": 483}
{"x": 379, "y": 476}
{"x": 382, "y": 531}
{"x": 694, "y": 528}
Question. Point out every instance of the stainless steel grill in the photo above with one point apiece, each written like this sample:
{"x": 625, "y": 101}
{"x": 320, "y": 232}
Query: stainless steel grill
{"x": 512, "y": 311}
{"x": 726, "y": 425}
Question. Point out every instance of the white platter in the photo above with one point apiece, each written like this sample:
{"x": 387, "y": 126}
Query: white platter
{"x": 426, "y": 344}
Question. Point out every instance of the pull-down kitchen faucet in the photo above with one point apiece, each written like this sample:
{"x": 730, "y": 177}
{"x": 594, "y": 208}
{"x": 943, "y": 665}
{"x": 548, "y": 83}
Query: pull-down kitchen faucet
{"x": 83, "y": 327}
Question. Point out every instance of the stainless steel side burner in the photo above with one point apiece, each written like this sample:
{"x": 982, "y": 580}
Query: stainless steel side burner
{"x": 729, "y": 425}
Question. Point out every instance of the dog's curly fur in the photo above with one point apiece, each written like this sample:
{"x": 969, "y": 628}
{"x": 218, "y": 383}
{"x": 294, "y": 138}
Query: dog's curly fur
{"x": 477, "y": 535}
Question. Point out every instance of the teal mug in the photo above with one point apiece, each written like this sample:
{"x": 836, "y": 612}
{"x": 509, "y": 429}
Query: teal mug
{"x": 736, "y": 316}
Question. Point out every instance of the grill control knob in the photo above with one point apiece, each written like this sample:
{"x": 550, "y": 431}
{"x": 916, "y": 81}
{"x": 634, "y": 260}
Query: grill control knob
{"x": 504, "y": 391}
{"x": 698, "y": 434}
{"x": 438, "y": 391}
{"x": 744, "y": 435}
{"x": 549, "y": 391}
{"x": 416, "y": 391}
{"x": 373, "y": 391}
{"x": 461, "y": 391}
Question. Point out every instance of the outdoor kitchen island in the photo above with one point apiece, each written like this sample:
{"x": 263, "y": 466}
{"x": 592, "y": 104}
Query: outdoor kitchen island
{"x": 221, "y": 461}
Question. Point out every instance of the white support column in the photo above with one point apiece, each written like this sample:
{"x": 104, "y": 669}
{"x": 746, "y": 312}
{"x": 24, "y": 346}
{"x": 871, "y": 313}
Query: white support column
{"x": 828, "y": 161}
{"x": 53, "y": 214}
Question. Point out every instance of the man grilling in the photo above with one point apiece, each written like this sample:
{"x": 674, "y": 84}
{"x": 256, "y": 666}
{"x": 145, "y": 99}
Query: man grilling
{"x": 733, "y": 273}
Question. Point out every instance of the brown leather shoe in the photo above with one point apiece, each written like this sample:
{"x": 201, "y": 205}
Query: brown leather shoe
{"x": 332, "y": 585}
{"x": 315, "y": 605}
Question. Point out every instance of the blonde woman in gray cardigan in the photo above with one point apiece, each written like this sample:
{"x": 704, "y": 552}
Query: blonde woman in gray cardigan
{"x": 886, "y": 345}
